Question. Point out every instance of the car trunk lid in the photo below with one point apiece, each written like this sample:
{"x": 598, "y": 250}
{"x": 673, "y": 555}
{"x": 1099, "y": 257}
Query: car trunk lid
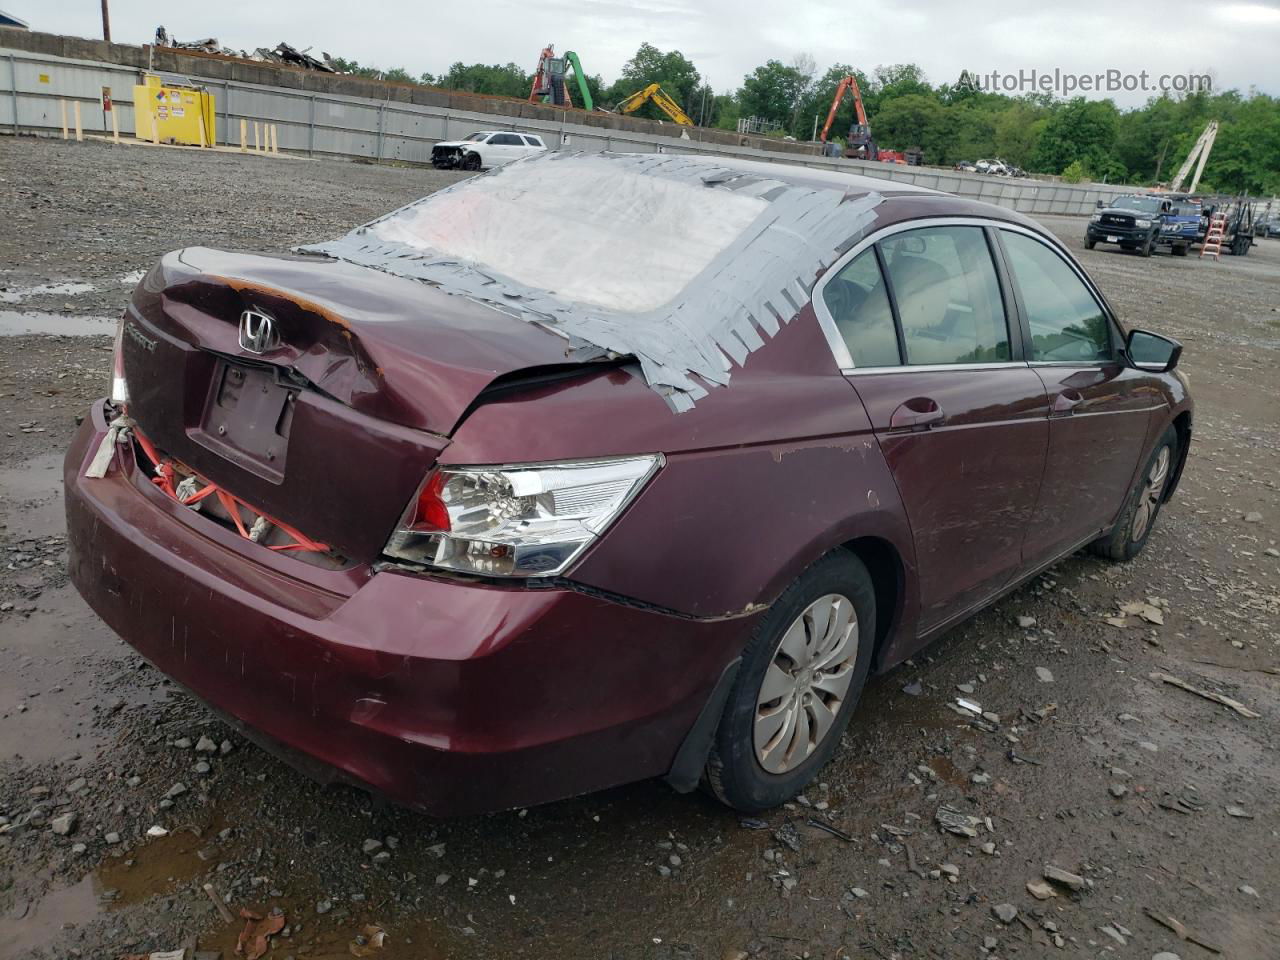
{"x": 334, "y": 424}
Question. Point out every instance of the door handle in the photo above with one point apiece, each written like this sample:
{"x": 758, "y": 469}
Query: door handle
{"x": 1065, "y": 403}
{"x": 918, "y": 413}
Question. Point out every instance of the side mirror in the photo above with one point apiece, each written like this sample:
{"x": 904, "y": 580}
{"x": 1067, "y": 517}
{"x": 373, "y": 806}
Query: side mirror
{"x": 1101, "y": 204}
{"x": 1150, "y": 351}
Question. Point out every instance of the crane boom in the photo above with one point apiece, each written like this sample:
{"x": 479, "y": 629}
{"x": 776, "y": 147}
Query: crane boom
{"x": 847, "y": 84}
{"x": 1200, "y": 152}
{"x": 660, "y": 97}
{"x": 581, "y": 77}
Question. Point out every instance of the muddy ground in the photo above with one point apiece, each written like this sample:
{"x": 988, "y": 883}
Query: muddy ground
{"x": 1161, "y": 801}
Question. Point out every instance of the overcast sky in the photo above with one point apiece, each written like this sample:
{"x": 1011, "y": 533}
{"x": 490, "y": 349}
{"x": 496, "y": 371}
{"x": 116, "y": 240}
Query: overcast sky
{"x": 1238, "y": 44}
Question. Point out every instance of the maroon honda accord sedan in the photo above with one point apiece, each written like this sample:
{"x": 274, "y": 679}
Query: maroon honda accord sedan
{"x": 605, "y": 467}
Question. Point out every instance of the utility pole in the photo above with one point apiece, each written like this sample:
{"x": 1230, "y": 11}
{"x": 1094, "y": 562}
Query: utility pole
{"x": 106, "y": 22}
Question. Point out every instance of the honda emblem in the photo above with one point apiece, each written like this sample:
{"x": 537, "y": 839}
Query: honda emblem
{"x": 258, "y": 332}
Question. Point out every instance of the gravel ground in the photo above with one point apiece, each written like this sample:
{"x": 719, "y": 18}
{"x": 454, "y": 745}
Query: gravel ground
{"x": 1157, "y": 800}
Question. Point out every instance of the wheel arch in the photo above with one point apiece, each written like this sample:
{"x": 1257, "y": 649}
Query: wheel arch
{"x": 1181, "y": 426}
{"x": 888, "y": 577}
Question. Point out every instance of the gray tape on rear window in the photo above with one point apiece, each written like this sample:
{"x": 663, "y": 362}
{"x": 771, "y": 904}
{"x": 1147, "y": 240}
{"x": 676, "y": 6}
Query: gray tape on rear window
{"x": 758, "y": 282}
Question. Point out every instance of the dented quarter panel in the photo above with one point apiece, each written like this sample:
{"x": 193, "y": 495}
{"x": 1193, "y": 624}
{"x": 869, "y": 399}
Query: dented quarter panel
{"x": 760, "y": 480}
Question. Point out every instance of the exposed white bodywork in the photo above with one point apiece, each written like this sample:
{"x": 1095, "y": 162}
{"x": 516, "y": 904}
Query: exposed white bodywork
{"x": 604, "y": 236}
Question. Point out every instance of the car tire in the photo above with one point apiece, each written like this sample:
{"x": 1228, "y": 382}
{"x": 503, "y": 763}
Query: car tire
{"x": 813, "y": 689}
{"x": 1180, "y": 250}
{"x": 1090, "y": 244}
{"x": 1125, "y": 540}
{"x": 470, "y": 162}
{"x": 1147, "y": 245}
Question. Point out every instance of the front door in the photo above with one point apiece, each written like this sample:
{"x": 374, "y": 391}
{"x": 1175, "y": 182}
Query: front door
{"x": 961, "y": 419}
{"x": 1099, "y": 406}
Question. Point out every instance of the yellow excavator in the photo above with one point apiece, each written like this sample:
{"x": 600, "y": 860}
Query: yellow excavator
{"x": 659, "y": 96}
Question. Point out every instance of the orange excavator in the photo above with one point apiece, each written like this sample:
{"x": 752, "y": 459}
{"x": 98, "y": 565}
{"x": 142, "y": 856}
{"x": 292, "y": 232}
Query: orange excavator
{"x": 858, "y": 143}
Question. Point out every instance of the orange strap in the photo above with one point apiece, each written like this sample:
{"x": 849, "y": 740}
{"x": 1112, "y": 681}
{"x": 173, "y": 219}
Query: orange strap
{"x": 230, "y": 502}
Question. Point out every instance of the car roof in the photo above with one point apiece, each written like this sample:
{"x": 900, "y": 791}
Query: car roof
{"x": 914, "y": 201}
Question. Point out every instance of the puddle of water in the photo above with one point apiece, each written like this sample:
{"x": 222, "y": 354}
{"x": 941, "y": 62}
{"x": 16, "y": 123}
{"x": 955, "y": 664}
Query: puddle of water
{"x": 67, "y": 288}
{"x": 31, "y": 497}
{"x": 31, "y": 926}
{"x": 158, "y": 866}
{"x": 58, "y": 659}
{"x": 25, "y": 323}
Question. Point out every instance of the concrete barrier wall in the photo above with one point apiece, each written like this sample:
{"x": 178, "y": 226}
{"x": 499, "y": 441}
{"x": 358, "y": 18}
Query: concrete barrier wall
{"x": 327, "y": 124}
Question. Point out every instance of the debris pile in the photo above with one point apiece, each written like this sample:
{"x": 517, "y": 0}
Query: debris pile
{"x": 284, "y": 53}
{"x": 281, "y": 53}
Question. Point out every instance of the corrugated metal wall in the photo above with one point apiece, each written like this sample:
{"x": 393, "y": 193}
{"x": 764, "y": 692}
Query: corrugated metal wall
{"x": 32, "y": 87}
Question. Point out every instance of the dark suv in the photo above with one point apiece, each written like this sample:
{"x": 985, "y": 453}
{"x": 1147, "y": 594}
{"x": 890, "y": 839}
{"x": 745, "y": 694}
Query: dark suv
{"x": 1131, "y": 221}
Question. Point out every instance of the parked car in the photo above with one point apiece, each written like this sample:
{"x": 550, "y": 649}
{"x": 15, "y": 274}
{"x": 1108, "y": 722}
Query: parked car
{"x": 1273, "y": 227}
{"x": 1132, "y": 221}
{"x": 410, "y": 536}
{"x": 992, "y": 167}
{"x": 481, "y": 151}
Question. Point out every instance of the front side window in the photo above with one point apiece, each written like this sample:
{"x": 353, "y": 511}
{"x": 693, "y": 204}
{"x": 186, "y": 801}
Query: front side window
{"x": 1067, "y": 323}
{"x": 858, "y": 303}
{"x": 948, "y": 296}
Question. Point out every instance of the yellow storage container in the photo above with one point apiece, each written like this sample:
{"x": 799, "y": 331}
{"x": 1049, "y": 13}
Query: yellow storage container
{"x": 181, "y": 114}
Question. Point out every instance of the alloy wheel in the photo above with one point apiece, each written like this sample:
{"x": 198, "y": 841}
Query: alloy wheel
{"x": 806, "y": 683}
{"x": 1149, "y": 498}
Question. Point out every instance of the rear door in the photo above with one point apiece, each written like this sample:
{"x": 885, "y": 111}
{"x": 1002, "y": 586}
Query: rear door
{"x": 1099, "y": 407}
{"x": 926, "y": 319}
{"x": 503, "y": 148}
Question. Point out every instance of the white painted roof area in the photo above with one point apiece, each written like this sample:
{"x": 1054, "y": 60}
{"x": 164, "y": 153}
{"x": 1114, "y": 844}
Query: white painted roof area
{"x": 588, "y": 230}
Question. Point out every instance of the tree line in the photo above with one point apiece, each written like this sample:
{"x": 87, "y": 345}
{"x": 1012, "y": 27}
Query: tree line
{"x": 950, "y": 122}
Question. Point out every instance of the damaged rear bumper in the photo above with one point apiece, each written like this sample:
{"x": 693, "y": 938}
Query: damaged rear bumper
{"x": 445, "y": 696}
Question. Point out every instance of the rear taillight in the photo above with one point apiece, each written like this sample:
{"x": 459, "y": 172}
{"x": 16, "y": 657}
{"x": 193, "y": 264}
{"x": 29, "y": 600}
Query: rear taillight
{"x": 528, "y": 520}
{"x": 430, "y": 514}
{"x": 119, "y": 386}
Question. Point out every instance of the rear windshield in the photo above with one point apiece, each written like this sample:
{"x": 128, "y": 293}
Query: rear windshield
{"x": 595, "y": 233}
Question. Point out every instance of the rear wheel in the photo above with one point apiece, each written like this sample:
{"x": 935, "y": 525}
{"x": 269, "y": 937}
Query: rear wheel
{"x": 1129, "y": 535}
{"x": 802, "y": 673}
{"x": 1180, "y": 250}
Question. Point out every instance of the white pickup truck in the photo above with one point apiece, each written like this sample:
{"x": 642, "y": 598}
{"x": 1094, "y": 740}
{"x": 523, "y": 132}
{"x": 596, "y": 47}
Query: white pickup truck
{"x": 489, "y": 148}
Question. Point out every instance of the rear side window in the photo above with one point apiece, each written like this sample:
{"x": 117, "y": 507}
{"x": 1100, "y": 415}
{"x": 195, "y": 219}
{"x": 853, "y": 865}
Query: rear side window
{"x": 859, "y": 305}
{"x": 1067, "y": 323}
{"x": 533, "y": 141}
{"x": 506, "y": 140}
{"x": 948, "y": 296}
